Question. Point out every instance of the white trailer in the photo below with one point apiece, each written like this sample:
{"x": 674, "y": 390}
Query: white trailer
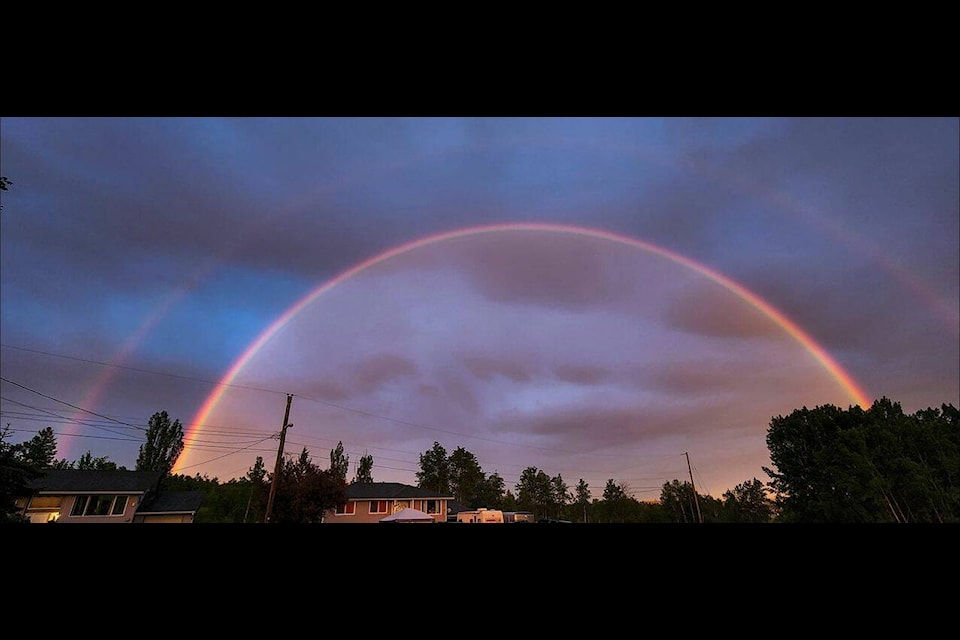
{"x": 481, "y": 516}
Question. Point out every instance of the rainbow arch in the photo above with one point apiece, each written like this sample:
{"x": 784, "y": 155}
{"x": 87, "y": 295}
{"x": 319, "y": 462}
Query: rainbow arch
{"x": 843, "y": 378}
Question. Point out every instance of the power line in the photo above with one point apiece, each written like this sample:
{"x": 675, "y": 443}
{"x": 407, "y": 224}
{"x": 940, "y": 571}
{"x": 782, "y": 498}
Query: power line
{"x": 99, "y": 415}
{"x": 159, "y": 373}
{"x": 195, "y": 443}
{"x": 57, "y": 415}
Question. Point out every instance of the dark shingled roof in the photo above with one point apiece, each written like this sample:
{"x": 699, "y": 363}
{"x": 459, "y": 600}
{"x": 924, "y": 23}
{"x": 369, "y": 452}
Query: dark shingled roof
{"x": 78, "y": 480}
{"x": 389, "y": 491}
{"x": 173, "y": 502}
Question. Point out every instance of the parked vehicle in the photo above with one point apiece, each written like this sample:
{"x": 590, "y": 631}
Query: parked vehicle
{"x": 481, "y": 516}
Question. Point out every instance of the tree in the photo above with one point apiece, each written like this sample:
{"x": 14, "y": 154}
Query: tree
{"x": 339, "y": 462}
{"x": 535, "y": 492}
{"x": 678, "y": 499}
{"x": 559, "y": 495}
{"x": 434, "y": 473}
{"x": 509, "y": 502}
{"x": 163, "y": 446}
{"x": 41, "y": 450}
{"x": 874, "y": 465}
{"x": 748, "y": 502}
{"x": 465, "y": 477}
{"x": 491, "y": 492}
{"x": 15, "y": 477}
{"x": 4, "y": 186}
{"x": 364, "y": 469}
{"x": 581, "y": 499}
{"x": 88, "y": 462}
{"x": 257, "y": 498}
{"x": 305, "y": 492}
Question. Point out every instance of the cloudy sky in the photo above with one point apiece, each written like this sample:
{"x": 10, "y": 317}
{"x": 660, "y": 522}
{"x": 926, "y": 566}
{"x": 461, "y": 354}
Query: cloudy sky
{"x": 598, "y": 298}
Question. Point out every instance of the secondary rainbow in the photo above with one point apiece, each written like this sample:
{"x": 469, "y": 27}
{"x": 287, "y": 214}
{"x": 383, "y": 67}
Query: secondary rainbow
{"x": 846, "y": 381}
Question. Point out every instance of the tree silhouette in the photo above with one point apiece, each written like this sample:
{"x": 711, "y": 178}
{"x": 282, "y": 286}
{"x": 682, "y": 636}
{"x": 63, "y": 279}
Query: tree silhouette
{"x": 163, "y": 446}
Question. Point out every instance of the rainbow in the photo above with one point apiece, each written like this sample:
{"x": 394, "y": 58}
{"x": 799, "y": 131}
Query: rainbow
{"x": 845, "y": 380}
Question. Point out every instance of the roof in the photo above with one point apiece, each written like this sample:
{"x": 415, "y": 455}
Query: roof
{"x": 84, "y": 481}
{"x": 409, "y": 515}
{"x": 172, "y": 502}
{"x": 390, "y": 491}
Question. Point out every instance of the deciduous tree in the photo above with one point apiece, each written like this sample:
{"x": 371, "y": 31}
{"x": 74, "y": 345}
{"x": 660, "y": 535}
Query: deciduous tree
{"x": 434, "y": 473}
{"x": 465, "y": 477}
{"x": 874, "y": 465}
{"x": 339, "y": 462}
{"x": 305, "y": 492}
{"x": 748, "y": 502}
{"x": 364, "y": 469}
{"x": 15, "y": 476}
{"x": 535, "y": 492}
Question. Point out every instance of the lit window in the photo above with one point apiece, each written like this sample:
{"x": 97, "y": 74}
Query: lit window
{"x": 346, "y": 509}
{"x": 379, "y": 506}
{"x": 44, "y": 502}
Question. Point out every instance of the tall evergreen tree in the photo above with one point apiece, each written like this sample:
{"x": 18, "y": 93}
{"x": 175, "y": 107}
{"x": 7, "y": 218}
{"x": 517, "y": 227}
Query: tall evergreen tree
{"x": 581, "y": 499}
{"x": 163, "y": 446}
{"x": 560, "y": 495}
{"x": 40, "y": 451}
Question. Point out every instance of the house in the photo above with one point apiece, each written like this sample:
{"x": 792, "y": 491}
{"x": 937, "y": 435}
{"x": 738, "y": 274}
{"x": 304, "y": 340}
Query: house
{"x": 372, "y": 501}
{"x": 116, "y": 497}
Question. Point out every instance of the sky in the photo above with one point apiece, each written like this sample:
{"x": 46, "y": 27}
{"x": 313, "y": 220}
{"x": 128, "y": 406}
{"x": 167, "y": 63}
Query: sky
{"x": 626, "y": 299}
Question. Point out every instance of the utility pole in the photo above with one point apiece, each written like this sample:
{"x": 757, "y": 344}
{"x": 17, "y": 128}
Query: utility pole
{"x": 277, "y": 467}
{"x": 696, "y": 500}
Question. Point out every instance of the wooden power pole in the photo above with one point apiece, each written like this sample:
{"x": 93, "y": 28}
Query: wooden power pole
{"x": 696, "y": 500}
{"x": 279, "y": 465}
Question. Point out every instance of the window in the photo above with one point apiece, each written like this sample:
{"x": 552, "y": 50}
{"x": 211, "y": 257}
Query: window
{"x": 379, "y": 506}
{"x": 44, "y": 502}
{"x": 99, "y": 506}
{"x": 79, "y": 506}
{"x": 119, "y": 505}
{"x": 346, "y": 509}
{"x": 428, "y": 506}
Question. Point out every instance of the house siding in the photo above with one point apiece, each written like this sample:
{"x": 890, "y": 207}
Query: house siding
{"x": 362, "y": 513}
{"x": 62, "y": 513}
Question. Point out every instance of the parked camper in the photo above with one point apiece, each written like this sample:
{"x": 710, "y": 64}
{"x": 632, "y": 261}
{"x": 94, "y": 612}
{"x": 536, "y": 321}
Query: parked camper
{"x": 517, "y": 516}
{"x": 482, "y": 516}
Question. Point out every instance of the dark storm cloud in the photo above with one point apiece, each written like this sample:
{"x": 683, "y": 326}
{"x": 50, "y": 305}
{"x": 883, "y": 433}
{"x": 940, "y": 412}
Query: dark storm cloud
{"x": 372, "y": 373}
{"x": 558, "y": 271}
{"x": 592, "y": 428}
{"x": 707, "y": 309}
{"x": 872, "y": 182}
